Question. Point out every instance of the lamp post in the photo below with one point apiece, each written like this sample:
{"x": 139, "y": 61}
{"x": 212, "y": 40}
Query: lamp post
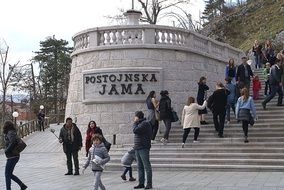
{"x": 15, "y": 115}
{"x": 41, "y": 107}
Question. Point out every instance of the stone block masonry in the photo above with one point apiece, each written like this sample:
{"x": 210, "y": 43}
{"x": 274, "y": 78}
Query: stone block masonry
{"x": 115, "y": 68}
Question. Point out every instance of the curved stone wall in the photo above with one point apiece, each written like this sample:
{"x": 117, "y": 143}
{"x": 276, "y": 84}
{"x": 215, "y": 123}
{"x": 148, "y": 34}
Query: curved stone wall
{"x": 114, "y": 69}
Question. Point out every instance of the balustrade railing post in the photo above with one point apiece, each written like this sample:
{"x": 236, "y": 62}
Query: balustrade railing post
{"x": 94, "y": 39}
{"x": 149, "y": 36}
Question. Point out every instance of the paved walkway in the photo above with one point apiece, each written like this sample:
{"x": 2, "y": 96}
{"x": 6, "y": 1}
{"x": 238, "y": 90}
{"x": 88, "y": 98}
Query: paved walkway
{"x": 42, "y": 167}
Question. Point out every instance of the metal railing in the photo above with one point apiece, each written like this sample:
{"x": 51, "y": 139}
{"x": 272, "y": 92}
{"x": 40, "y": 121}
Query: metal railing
{"x": 31, "y": 126}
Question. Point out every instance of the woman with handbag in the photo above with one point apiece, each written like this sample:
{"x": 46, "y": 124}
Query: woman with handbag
{"x": 10, "y": 136}
{"x": 165, "y": 114}
{"x": 153, "y": 117}
{"x": 245, "y": 111}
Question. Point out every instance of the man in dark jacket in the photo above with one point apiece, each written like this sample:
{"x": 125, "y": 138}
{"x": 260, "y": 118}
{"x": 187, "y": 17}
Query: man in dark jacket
{"x": 71, "y": 138}
{"x": 165, "y": 114}
{"x": 244, "y": 73}
{"x": 142, "y": 143}
{"x": 275, "y": 84}
{"x": 217, "y": 102}
{"x": 40, "y": 118}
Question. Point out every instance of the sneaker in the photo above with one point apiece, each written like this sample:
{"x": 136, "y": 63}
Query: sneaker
{"x": 246, "y": 140}
{"x": 164, "y": 141}
{"x": 263, "y": 105}
{"x": 23, "y": 187}
{"x": 123, "y": 177}
{"x": 69, "y": 173}
{"x": 132, "y": 179}
{"x": 148, "y": 187}
{"x": 76, "y": 173}
{"x": 140, "y": 186}
{"x": 196, "y": 141}
{"x": 220, "y": 135}
{"x": 182, "y": 145}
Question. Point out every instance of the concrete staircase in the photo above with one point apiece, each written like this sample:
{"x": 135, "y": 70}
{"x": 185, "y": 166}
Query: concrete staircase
{"x": 264, "y": 152}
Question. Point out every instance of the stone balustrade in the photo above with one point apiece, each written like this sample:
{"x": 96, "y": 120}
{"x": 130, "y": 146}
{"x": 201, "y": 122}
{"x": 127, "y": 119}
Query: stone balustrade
{"x": 151, "y": 36}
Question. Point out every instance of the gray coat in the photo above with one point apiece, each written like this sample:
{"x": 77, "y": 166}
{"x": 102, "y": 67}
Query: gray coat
{"x": 100, "y": 151}
{"x": 128, "y": 158}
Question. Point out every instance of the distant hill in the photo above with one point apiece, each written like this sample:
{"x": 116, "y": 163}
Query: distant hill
{"x": 258, "y": 19}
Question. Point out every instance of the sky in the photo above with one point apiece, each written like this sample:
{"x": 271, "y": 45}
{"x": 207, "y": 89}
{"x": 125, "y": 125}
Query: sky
{"x": 25, "y": 23}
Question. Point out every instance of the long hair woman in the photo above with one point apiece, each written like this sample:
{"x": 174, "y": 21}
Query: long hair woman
{"x": 190, "y": 119}
{"x": 152, "y": 105}
{"x": 92, "y": 129}
{"x": 10, "y": 136}
{"x": 201, "y": 96}
{"x": 231, "y": 71}
{"x": 245, "y": 111}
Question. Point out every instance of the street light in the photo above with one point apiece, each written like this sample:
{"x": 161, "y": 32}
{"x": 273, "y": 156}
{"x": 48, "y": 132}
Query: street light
{"x": 15, "y": 115}
{"x": 41, "y": 107}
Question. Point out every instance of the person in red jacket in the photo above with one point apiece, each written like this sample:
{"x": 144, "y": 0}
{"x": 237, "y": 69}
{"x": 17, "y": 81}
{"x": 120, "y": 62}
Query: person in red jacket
{"x": 94, "y": 129}
{"x": 256, "y": 87}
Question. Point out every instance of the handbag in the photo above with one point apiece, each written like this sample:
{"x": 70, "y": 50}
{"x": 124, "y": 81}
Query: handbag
{"x": 20, "y": 146}
{"x": 157, "y": 115}
{"x": 174, "y": 117}
{"x": 251, "y": 120}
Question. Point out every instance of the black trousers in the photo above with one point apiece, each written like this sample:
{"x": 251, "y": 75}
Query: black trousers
{"x": 245, "y": 125}
{"x": 69, "y": 155}
{"x": 219, "y": 120}
{"x": 186, "y": 132}
{"x": 155, "y": 128}
{"x": 41, "y": 125}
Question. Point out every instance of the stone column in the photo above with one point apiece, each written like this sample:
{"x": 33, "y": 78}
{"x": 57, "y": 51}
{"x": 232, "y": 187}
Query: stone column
{"x": 132, "y": 17}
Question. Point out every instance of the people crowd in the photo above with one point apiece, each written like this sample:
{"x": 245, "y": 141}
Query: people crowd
{"x": 232, "y": 95}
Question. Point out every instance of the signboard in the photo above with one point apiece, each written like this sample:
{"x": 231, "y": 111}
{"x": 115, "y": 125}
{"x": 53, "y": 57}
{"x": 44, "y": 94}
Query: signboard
{"x": 125, "y": 84}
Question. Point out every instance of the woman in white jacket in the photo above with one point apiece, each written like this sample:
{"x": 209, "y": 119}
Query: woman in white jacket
{"x": 190, "y": 119}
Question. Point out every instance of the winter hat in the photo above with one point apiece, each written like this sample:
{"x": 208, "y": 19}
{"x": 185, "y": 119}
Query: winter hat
{"x": 139, "y": 114}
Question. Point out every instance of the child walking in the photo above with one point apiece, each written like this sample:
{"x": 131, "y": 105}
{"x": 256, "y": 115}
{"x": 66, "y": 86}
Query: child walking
{"x": 98, "y": 155}
{"x": 266, "y": 74}
{"x": 127, "y": 161}
{"x": 256, "y": 87}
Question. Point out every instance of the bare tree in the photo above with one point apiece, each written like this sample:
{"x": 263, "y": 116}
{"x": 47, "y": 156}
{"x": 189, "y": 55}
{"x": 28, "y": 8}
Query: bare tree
{"x": 152, "y": 8}
{"x": 7, "y": 73}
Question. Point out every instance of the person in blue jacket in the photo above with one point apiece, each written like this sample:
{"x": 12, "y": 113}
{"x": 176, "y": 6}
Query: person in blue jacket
{"x": 245, "y": 111}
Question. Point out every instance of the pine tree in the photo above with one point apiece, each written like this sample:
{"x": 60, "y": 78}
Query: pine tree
{"x": 55, "y": 65}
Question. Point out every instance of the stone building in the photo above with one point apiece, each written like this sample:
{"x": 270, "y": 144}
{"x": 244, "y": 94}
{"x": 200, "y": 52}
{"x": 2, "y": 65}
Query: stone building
{"x": 114, "y": 68}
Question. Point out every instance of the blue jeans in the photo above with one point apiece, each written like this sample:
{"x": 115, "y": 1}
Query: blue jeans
{"x": 168, "y": 125}
{"x": 143, "y": 163}
{"x": 10, "y": 165}
{"x": 257, "y": 61}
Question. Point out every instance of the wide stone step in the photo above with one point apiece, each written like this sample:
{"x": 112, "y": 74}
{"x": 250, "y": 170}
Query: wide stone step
{"x": 229, "y": 134}
{"x": 204, "y": 167}
{"x": 220, "y": 161}
{"x": 201, "y": 149}
{"x": 228, "y": 139}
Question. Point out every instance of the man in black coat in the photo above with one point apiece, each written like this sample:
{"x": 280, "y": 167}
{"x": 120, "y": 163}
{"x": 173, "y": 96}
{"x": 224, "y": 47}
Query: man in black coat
{"x": 217, "y": 103}
{"x": 275, "y": 84}
{"x": 71, "y": 138}
{"x": 142, "y": 143}
{"x": 244, "y": 73}
{"x": 40, "y": 118}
